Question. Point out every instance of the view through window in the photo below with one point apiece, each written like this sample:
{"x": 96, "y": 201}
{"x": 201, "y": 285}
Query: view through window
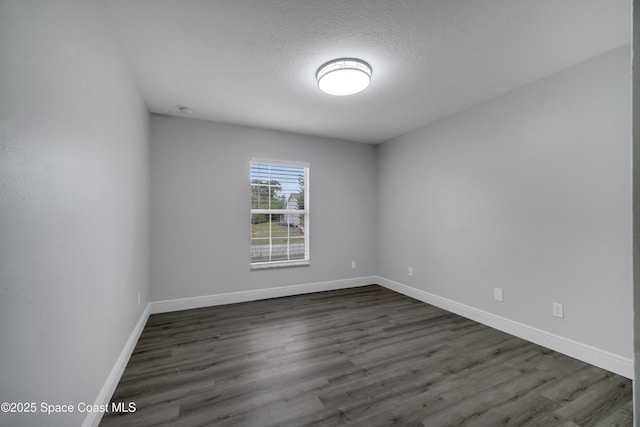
{"x": 279, "y": 213}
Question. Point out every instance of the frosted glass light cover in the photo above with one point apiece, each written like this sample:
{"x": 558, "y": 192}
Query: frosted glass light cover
{"x": 344, "y": 77}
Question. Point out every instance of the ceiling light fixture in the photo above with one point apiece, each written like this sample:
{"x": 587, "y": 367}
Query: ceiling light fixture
{"x": 344, "y": 76}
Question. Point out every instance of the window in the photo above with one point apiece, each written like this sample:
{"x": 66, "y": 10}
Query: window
{"x": 279, "y": 213}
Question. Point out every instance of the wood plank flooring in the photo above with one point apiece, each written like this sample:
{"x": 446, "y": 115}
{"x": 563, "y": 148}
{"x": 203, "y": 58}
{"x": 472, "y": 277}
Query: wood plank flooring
{"x": 359, "y": 357}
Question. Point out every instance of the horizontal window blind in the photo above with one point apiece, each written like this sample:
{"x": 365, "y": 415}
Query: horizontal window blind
{"x": 279, "y": 214}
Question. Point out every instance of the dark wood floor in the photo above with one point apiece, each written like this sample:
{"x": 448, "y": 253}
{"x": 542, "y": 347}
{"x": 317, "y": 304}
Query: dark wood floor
{"x": 363, "y": 357}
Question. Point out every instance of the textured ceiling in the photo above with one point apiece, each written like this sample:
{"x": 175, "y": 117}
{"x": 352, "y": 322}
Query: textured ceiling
{"x": 253, "y": 62}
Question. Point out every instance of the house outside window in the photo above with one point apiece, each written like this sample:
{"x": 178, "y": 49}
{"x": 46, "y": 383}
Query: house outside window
{"x": 279, "y": 213}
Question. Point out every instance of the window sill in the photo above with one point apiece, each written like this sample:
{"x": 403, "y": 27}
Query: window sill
{"x": 280, "y": 264}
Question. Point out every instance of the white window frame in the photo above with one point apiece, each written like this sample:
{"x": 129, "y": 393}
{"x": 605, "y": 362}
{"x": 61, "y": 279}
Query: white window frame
{"x": 305, "y": 212}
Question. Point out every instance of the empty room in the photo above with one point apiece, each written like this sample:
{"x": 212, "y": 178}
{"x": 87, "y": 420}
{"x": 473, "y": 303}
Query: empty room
{"x": 318, "y": 213}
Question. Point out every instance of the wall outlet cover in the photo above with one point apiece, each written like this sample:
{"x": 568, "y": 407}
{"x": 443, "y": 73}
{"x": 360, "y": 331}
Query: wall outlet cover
{"x": 558, "y": 310}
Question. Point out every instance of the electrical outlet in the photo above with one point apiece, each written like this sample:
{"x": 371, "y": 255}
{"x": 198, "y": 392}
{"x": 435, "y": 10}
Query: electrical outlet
{"x": 353, "y": 265}
{"x": 498, "y": 295}
{"x": 410, "y": 271}
{"x": 558, "y": 310}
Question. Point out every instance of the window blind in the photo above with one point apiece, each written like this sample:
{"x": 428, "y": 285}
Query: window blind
{"x": 279, "y": 213}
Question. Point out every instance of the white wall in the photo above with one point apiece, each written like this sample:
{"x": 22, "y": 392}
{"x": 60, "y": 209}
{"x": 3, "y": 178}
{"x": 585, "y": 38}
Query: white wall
{"x": 530, "y": 192}
{"x": 73, "y": 205}
{"x": 200, "y": 201}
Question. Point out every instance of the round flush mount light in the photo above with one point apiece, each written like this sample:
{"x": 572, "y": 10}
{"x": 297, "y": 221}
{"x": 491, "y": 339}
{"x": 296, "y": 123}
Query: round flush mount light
{"x": 344, "y": 76}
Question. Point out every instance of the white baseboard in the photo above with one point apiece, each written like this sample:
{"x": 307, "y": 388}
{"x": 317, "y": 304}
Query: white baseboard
{"x": 94, "y": 418}
{"x": 242, "y": 296}
{"x": 586, "y": 353}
